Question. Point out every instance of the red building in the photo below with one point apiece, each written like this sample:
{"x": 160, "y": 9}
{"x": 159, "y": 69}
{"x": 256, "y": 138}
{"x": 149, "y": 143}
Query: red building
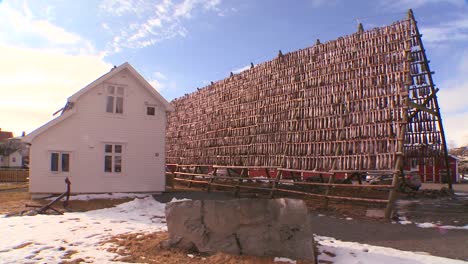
{"x": 5, "y": 135}
{"x": 432, "y": 173}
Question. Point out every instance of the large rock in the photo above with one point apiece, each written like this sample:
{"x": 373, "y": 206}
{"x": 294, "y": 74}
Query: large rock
{"x": 257, "y": 227}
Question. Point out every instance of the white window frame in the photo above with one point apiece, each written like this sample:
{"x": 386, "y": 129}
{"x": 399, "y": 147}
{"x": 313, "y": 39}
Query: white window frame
{"x": 113, "y": 92}
{"x": 60, "y": 167}
{"x": 156, "y": 110}
{"x": 113, "y": 154}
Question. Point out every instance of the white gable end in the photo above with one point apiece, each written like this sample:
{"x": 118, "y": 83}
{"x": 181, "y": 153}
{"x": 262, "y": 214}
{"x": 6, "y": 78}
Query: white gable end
{"x": 109, "y": 142}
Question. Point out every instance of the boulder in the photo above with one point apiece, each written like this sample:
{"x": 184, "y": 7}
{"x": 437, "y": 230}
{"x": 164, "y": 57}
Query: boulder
{"x": 256, "y": 227}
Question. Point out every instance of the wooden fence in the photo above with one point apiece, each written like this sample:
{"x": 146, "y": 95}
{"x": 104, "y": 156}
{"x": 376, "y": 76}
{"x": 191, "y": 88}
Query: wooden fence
{"x": 14, "y": 175}
{"x": 208, "y": 177}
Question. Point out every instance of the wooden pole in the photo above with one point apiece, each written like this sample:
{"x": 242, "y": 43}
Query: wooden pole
{"x": 436, "y": 103}
{"x": 398, "y": 164}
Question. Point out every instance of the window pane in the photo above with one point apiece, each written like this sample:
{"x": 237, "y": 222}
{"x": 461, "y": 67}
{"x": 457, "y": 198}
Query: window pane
{"x": 120, "y": 91}
{"x": 118, "y": 148}
{"x": 118, "y": 163}
{"x": 150, "y": 110}
{"x": 108, "y": 164}
{"x": 54, "y": 157}
{"x": 119, "y": 105}
{"x": 108, "y": 148}
{"x": 110, "y": 104}
{"x": 65, "y": 162}
{"x": 110, "y": 90}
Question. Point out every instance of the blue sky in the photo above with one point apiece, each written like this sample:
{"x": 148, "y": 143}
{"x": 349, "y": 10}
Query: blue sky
{"x": 51, "y": 49}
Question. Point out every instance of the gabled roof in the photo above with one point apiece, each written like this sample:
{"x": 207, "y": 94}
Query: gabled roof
{"x": 75, "y": 97}
{"x": 454, "y": 157}
{"x": 113, "y": 72}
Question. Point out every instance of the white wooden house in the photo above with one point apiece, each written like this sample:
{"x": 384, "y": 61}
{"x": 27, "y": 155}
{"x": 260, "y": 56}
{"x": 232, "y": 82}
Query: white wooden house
{"x": 110, "y": 137}
{"x": 11, "y": 159}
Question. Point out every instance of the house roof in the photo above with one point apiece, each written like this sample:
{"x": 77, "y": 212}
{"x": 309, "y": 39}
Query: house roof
{"x": 75, "y": 97}
{"x": 5, "y": 135}
{"x": 453, "y": 157}
{"x": 114, "y": 71}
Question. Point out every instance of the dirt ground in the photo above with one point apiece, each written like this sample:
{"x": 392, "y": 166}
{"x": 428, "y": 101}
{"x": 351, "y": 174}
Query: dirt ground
{"x": 328, "y": 221}
{"x": 15, "y": 198}
{"x": 146, "y": 248}
{"x": 135, "y": 248}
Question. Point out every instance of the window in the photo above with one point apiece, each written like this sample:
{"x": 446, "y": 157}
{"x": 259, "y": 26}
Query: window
{"x": 60, "y": 162}
{"x": 150, "y": 110}
{"x": 114, "y": 103}
{"x": 13, "y": 159}
{"x": 113, "y": 158}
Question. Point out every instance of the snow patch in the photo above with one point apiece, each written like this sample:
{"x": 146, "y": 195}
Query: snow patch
{"x": 88, "y": 197}
{"x": 402, "y": 220}
{"x": 284, "y": 260}
{"x": 337, "y": 251}
{"x": 48, "y": 238}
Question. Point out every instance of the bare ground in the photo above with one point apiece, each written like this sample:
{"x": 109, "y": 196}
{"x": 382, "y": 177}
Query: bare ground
{"x": 328, "y": 221}
{"x": 146, "y": 248}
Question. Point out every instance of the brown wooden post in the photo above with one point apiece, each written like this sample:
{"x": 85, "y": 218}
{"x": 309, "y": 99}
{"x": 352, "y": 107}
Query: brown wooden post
{"x": 212, "y": 179}
{"x": 327, "y": 190}
{"x": 279, "y": 174}
{"x": 191, "y": 178}
{"x": 68, "y": 182}
{"x": 398, "y": 163}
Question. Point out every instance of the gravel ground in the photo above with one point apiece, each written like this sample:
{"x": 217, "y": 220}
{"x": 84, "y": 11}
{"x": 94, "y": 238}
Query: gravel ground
{"x": 444, "y": 243}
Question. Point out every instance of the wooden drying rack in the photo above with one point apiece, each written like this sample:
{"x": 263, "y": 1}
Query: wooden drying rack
{"x": 363, "y": 102}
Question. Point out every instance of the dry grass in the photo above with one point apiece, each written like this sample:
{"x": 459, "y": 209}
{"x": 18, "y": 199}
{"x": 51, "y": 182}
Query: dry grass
{"x": 145, "y": 248}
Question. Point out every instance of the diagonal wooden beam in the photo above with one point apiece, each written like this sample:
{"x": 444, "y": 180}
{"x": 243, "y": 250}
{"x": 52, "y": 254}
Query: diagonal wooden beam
{"x": 426, "y": 101}
{"x": 422, "y": 107}
{"x": 436, "y": 104}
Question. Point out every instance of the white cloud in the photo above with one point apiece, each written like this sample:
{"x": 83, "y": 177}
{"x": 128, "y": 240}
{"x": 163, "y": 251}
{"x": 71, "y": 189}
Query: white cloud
{"x": 160, "y": 81}
{"x": 451, "y": 31}
{"x": 453, "y": 102}
{"x": 160, "y": 76}
{"x": 407, "y": 4}
{"x": 42, "y": 65}
{"x": 21, "y": 28}
{"x": 151, "y": 22}
{"x": 456, "y": 129}
{"x": 239, "y": 70}
{"x": 36, "y": 83}
{"x": 53, "y": 33}
{"x": 156, "y": 85}
{"x": 319, "y": 3}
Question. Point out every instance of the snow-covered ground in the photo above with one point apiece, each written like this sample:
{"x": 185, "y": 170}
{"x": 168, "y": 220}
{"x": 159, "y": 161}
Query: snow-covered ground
{"x": 49, "y": 238}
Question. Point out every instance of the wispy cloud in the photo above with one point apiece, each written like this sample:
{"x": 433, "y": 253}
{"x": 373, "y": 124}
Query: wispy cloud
{"x": 42, "y": 65}
{"x": 453, "y": 103}
{"x": 239, "y": 70}
{"x": 142, "y": 23}
{"x": 160, "y": 75}
{"x": 22, "y": 28}
{"x": 401, "y": 5}
{"x": 35, "y": 83}
{"x": 319, "y": 3}
{"x": 451, "y": 31}
{"x": 160, "y": 81}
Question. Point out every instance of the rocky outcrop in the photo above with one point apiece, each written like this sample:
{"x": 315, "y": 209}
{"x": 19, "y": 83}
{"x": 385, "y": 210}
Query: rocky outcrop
{"x": 257, "y": 227}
